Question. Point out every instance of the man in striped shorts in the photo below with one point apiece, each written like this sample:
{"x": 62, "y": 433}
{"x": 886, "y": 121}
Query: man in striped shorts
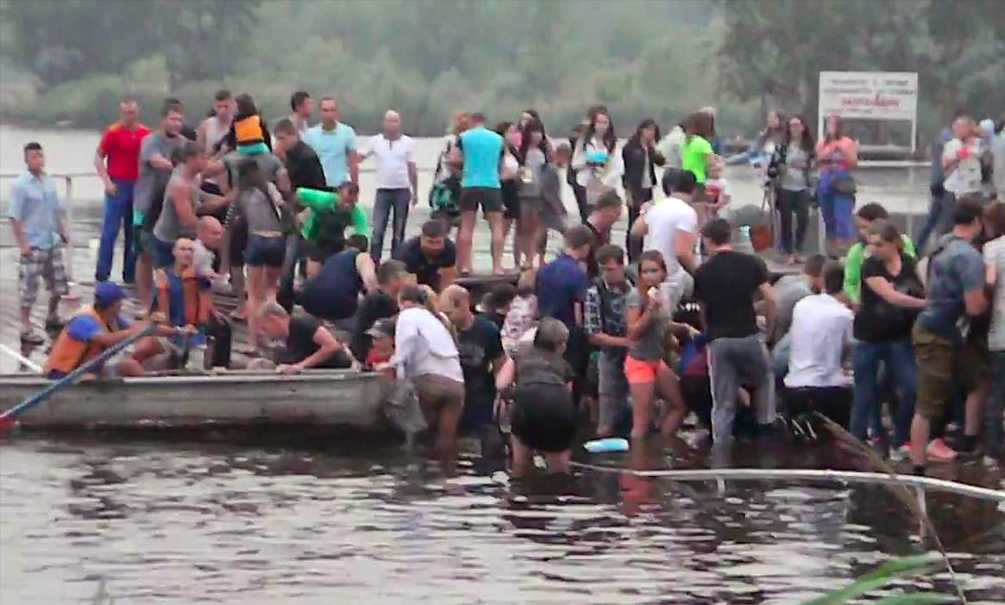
{"x": 35, "y": 212}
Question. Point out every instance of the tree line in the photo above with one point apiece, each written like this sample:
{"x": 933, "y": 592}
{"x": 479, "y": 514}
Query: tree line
{"x": 71, "y": 59}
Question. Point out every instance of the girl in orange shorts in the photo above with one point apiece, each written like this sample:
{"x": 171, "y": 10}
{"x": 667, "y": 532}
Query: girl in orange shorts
{"x": 645, "y": 369}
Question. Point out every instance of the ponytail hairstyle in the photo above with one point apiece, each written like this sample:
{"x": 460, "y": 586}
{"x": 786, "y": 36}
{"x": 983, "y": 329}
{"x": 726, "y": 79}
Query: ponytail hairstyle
{"x": 888, "y": 232}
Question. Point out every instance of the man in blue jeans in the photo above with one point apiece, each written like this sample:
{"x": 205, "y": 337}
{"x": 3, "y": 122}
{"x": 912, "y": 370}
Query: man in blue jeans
{"x": 120, "y": 145}
{"x": 397, "y": 181}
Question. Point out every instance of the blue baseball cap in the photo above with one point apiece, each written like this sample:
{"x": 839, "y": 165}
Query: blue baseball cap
{"x": 107, "y": 293}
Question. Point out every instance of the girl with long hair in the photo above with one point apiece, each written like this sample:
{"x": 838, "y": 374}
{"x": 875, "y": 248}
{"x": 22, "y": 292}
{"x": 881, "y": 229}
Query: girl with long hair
{"x": 533, "y": 157}
{"x": 261, "y": 204}
{"x": 648, "y": 374}
{"x": 509, "y": 169}
{"x": 698, "y": 153}
{"x": 794, "y": 162}
{"x": 593, "y": 157}
{"x": 640, "y": 159}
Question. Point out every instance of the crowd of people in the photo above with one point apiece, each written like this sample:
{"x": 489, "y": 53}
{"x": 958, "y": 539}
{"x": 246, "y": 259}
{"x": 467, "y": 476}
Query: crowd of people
{"x": 603, "y": 329}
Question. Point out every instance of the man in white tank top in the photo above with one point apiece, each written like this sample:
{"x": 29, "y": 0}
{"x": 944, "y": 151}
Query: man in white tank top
{"x": 214, "y": 128}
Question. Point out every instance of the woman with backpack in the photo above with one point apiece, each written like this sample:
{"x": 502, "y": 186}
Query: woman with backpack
{"x": 792, "y": 168}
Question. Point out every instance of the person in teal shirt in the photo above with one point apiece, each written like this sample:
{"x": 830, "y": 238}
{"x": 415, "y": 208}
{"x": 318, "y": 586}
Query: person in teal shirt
{"x": 481, "y": 151}
{"x": 857, "y": 254}
{"x": 698, "y": 153}
{"x": 335, "y": 144}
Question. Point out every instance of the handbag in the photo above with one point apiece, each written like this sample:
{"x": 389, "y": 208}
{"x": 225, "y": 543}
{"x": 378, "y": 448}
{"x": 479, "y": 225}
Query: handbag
{"x": 843, "y": 184}
{"x": 762, "y": 236}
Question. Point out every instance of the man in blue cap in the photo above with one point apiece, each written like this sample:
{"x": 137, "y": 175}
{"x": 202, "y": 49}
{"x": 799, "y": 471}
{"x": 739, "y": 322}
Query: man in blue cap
{"x": 94, "y": 329}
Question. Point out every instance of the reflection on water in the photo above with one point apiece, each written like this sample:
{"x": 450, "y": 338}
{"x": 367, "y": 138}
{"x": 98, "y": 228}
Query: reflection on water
{"x": 365, "y": 523}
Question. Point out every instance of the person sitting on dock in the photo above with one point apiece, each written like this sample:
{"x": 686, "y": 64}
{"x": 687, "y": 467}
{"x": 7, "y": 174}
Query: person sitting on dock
{"x": 333, "y": 294}
{"x": 430, "y": 256}
{"x": 185, "y": 302}
{"x": 307, "y": 343}
{"x": 94, "y": 329}
{"x": 821, "y": 341}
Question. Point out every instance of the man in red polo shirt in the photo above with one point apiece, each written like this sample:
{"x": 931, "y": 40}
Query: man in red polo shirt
{"x": 121, "y": 146}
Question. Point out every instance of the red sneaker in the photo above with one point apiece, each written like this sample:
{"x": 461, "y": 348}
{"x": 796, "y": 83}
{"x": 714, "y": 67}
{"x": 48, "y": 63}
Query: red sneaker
{"x": 938, "y": 450}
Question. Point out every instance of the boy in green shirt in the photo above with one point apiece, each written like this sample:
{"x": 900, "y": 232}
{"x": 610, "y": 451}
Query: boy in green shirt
{"x": 859, "y": 252}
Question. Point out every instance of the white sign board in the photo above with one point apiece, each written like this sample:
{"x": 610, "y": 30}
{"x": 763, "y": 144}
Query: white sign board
{"x": 869, "y": 95}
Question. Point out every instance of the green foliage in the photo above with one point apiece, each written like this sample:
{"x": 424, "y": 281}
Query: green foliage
{"x": 906, "y": 566}
{"x": 775, "y": 49}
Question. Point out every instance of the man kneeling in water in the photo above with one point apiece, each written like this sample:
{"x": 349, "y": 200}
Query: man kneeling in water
{"x": 94, "y": 329}
{"x": 308, "y": 344}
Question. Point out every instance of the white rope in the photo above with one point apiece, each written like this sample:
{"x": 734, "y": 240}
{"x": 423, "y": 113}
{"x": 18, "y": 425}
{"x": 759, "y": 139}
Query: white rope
{"x": 31, "y": 365}
{"x": 754, "y": 474}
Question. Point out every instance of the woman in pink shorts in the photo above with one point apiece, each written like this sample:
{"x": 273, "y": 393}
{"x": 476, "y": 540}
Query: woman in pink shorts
{"x": 645, "y": 369}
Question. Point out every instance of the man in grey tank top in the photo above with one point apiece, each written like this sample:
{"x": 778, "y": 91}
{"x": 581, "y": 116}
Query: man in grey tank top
{"x": 178, "y": 215}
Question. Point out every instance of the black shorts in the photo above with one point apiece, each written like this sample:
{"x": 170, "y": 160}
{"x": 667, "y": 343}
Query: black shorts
{"x": 338, "y": 360}
{"x": 544, "y": 418}
{"x": 510, "y": 191}
{"x": 320, "y": 252}
{"x": 489, "y": 199}
{"x": 266, "y": 251}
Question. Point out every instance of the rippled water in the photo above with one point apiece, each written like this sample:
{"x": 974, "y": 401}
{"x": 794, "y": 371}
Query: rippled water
{"x": 144, "y": 521}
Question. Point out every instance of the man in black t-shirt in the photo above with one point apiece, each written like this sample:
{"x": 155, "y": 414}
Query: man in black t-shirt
{"x": 378, "y": 304}
{"x": 725, "y": 287}
{"x": 481, "y": 356}
{"x": 308, "y": 344}
{"x": 431, "y": 257}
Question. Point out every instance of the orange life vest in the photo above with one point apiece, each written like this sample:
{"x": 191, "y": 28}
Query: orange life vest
{"x": 198, "y": 302}
{"x": 249, "y": 130}
{"x": 69, "y": 354}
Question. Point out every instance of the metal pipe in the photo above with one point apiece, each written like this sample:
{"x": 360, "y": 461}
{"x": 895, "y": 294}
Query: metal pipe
{"x": 754, "y": 474}
{"x": 31, "y": 365}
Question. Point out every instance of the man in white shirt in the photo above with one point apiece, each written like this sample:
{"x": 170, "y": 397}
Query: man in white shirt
{"x": 671, "y": 227}
{"x": 397, "y": 181}
{"x": 821, "y": 339}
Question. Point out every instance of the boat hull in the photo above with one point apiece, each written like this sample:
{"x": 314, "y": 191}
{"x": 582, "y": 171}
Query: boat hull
{"x": 320, "y": 398}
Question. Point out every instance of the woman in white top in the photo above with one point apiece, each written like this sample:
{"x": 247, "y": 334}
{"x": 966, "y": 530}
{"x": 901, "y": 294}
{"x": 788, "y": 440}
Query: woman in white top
{"x": 426, "y": 354}
{"x": 597, "y": 166}
{"x": 509, "y": 169}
